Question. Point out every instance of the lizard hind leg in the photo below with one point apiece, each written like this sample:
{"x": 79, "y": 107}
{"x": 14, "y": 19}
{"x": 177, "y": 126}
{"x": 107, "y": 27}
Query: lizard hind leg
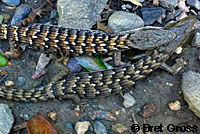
{"x": 60, "y": 63}
{"x": 15, "y": 50}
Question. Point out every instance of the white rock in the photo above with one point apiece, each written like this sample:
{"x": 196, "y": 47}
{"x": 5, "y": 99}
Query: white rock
{"x": 82, "y": 127}
{"x": 129, "y": 101}
{"x": 124, "y": 21}
{"x": 6, "y": 119}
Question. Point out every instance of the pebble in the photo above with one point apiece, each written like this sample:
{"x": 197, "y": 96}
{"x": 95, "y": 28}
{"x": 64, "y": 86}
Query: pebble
{"x": 26, "y": 117}
{"x": 150, "y": 15}
{"x": 191, "y": 90}
{"x": 11, "y": 2}
{"x": 119, "y": 128}
{"x": 129, "y": 101}
{"x": 74, "y": 66}
{"x": 124, "y": 21}
{"x": 175, "y": 105}
{"x": 126, "y": 7}
{"x": 21, "y": 81}
{"x": 194, "y": 3}
{"x": 99, "y": 128}
{"x": 79, "y": 13}
{"x": 9, "y": 83}
{"x": 179, "y": 50}
{"x": 196, "y": 40}
{"x": 117, "y": 112}
{"x": 101, "y": 115}
{"x": 52, "y": 115}
{"x": 21, "y": 12}
{"x": 148, "y": 110}
{"x": 138, "y": 110}
{"x": 41, "y": 69}
{"x": 77, "y": 108}
{"x": 6, "y": 119}
{"x": 82, "y": 127}
{"x": 69, "y": 125}
{"x": 169, "y": 4}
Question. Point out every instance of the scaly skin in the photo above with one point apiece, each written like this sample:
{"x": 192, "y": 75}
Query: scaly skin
{"x": 84, "y": 42}
{"x": 104, "y": 83}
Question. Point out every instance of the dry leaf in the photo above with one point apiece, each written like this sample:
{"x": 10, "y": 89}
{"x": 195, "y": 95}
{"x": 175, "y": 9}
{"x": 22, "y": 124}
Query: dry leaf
{"x": 39, "y": 125}
{"x": 135, "y": 2}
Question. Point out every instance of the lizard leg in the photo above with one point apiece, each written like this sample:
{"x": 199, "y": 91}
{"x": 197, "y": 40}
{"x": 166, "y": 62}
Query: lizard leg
{"x": 175, "y": 68}
{"x": 61, "y": 65}
{"x": 15, "y": 50}
{"x": 74, "y": 97}
{"x": 117, "y": 58}
{"x": 62, "y": 61}
{"x": 139, "y": 56}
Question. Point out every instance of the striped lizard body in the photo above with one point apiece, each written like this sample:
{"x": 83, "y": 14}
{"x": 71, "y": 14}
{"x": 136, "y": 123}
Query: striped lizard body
{"x": 102, "y": 83}
{"x": 84, "y": 42}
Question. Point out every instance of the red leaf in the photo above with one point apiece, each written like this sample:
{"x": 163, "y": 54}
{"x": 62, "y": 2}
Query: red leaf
{"x": 39, "y": 125}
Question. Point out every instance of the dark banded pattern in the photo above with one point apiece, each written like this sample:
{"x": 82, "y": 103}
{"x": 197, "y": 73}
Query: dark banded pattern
{"x": 103, "y": 83}
{"x": 84, "y": 42}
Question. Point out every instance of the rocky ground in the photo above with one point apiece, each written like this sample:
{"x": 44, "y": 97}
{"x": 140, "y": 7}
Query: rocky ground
{"x": 156, "y": 100}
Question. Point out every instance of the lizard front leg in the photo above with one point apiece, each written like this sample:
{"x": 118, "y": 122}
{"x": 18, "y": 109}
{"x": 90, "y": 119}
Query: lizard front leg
{"x": 175, "y": 68}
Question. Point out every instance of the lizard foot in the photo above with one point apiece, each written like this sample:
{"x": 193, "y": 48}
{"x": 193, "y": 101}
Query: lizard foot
{"x": 137, "y": 57}
{"x": 175, "y": 68}
{"x": 61, "y": 62}
{"x": 61, "y": 66}
{"x": 74, "y": 97}
{"x": 15, "y": 50}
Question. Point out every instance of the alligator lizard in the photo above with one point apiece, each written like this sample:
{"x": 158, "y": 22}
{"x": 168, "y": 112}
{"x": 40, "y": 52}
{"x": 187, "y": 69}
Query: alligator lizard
{"x": 69, "y": 41}
{"x": 92, "y": 84}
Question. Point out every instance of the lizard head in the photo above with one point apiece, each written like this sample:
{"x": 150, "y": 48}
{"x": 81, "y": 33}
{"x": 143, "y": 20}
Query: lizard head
{"x": 181, "y": 28}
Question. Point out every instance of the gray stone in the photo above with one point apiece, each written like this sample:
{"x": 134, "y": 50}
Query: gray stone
{"x": 129, "y": 101}
{"x": 196, "y": 40}
{"x": 82, "y": 127}
{"x": 99, "y": 128}
{"x": 21, "y": 12}
{"x": 169, "y": 4}
{"x": 124, "y": 21}
{"x": 150, "y": 15}
{"x": 119, "y": 128}
{"x": 11, "y": 2}
{"x": 6, "y": 119}
{"x": 79, "y": 13}
{"x": 191, "y": 90}
{"x": 194, "y": 3}
{"x": 21, "y": 81}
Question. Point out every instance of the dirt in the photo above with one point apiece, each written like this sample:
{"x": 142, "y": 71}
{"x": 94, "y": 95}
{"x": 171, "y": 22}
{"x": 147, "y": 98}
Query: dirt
{"x": 153, "y": 88}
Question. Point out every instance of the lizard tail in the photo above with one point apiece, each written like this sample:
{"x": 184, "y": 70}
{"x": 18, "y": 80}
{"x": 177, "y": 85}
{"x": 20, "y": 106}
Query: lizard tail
{"x": 21, "y": 95}
{"x": 3, "y": 31}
